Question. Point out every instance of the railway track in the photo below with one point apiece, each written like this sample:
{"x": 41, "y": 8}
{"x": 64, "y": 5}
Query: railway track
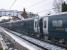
{"x": 11, "y": 43}
{"x": 30, "y": 46}
{"x": 45, "y": 45}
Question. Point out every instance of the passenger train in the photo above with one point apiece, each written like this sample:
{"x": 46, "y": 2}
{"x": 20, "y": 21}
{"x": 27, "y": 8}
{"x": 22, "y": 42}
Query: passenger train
{"x": 51, "y": 26}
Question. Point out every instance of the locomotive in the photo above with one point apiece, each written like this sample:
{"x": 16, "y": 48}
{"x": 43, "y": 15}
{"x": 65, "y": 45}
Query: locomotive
{"x": 51, "y": 26}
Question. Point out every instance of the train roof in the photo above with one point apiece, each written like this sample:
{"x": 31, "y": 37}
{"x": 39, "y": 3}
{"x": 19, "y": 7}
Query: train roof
{"x": 30, "y": 19}
{"x": 61, "y": 13}
{"x": 12, "y": 21}
{"x": 21, "y": 20}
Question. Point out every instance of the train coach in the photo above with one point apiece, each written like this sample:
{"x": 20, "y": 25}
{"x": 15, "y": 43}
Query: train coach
{"x": 30, "y": 26}
{"x": 54, "y": 26}
{"x": 27, "y": 25}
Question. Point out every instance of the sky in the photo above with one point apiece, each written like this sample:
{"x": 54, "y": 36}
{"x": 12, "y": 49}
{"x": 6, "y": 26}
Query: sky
{"x": 41, "y": 7}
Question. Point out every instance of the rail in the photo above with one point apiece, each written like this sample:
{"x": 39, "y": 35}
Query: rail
{"x": 21, "y": 41}
{"x": 36, "y": 42}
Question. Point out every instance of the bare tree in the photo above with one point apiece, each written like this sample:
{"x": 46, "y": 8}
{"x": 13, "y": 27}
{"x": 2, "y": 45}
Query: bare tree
{"x": 64, "y": 7}
{"x": 57, "y": 4}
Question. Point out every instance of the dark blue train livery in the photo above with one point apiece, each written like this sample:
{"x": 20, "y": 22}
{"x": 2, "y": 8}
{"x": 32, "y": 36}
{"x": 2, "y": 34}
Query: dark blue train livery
{"x": 57, "y": 26}
{"x": 27, "y": 25}
{"x": 52, "y": 26}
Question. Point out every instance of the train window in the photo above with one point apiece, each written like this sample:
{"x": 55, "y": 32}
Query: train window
{"x": 60, "y": 23}
{"x": 57, "y": 23}
{"x": 44, "y": 24}
{"x": 35, "y": 23}
{"x": 54, "y": 23}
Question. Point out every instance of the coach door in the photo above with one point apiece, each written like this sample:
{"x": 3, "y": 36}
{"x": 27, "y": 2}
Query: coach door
{"x": 45, "y": 25}
{"x": 35, "y": 25}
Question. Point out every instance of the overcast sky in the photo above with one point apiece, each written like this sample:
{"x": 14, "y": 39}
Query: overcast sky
{"x": 36, "y": 6}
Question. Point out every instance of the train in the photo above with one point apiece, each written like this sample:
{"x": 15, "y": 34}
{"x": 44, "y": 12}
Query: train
{"x": 27, "y": 25}
{"x": 50, "y": 26}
